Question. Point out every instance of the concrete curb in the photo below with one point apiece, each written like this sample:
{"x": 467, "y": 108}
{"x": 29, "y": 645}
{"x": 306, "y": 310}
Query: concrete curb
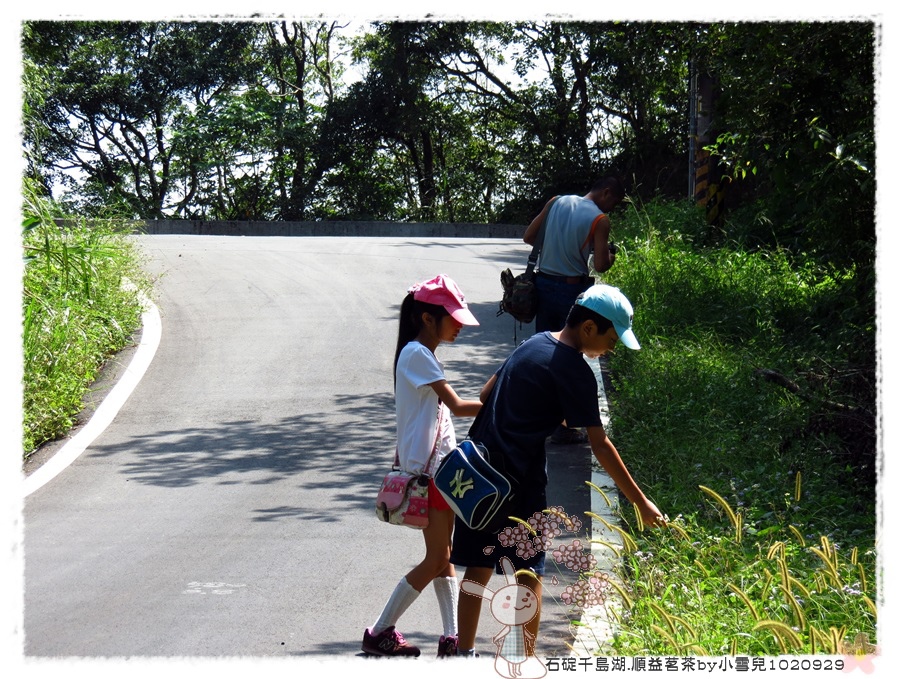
{"x": 597, "y": 625}
{"x": 329, "y": 229}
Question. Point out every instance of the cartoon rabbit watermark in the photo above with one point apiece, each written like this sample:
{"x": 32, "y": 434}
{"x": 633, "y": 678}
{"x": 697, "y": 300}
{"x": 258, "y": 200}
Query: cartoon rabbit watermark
{"x": 513, "y": 605}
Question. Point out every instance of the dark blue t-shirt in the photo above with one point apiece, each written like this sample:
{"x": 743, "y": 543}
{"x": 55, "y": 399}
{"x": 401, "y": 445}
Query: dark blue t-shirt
{"x": 542, "y": 383}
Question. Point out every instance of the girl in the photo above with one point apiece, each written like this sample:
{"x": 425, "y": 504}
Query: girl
{"x": 432, "y": 312}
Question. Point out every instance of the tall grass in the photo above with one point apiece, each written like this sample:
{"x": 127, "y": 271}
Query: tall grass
{"x": 76, "y": 312}
{"x": 772, "y": 544}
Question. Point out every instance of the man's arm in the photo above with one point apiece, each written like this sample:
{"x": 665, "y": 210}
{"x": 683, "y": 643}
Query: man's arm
{"x": 609, "y": 458}
{"x": 603, "y": 258}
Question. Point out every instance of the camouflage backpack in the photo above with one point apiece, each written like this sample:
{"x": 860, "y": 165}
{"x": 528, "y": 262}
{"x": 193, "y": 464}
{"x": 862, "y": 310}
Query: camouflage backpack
{"x": 519, "y": 295}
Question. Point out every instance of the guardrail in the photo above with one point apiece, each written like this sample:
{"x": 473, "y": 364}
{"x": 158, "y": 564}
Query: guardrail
{"x": 361, "y": 229}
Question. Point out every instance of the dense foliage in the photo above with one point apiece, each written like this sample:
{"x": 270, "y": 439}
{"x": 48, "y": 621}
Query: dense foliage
{"x": 758, "y": 378}
{"x": 454, "y": 121}
{"x": 770, "y": 483}
{"x": 80, "y": 305}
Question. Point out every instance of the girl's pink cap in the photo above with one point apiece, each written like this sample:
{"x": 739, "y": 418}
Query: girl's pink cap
{"x": 441, "y": 290}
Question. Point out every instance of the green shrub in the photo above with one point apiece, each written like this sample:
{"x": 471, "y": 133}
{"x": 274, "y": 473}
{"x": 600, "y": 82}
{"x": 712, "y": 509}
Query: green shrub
{"x": 76, "y": 310}
{"x": 771, "y": 546}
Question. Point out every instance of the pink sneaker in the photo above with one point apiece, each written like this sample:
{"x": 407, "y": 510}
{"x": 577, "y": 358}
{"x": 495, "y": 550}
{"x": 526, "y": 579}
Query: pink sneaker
{"x": 448, "y": 646}
{"x": 389, "y": 642}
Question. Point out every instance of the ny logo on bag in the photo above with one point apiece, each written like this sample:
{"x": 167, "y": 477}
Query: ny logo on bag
{"x": 459, "y": 485}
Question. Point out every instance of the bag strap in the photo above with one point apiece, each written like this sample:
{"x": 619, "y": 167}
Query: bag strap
{"x": 590, "y": 236}
{"x": 539, "y": 239}
{"x": 437, "y": 439}
{"x": 496, "y": 458}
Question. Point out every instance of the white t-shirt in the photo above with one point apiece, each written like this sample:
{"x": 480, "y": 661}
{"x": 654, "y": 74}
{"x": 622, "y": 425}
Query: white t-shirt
{"x": 417, "y": 410}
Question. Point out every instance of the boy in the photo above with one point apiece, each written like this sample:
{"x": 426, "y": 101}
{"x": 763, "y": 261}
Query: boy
{"x": 543, "y": 382}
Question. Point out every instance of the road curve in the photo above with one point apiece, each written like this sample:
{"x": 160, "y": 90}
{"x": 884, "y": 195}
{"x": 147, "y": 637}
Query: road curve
{"x": 226, "y": 510}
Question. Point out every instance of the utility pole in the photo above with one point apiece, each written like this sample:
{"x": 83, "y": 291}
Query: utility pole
{"x": 705, "y": 183}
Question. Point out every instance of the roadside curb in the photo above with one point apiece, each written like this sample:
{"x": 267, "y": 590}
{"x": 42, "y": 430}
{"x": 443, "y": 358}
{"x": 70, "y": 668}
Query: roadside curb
{"x": 111, "y": 404}
{"x": 597, "y": 625}
{"x": 346, "y": 229}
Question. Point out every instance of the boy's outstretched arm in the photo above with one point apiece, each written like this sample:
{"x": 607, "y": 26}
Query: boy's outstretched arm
{"x": 609, "y": 458}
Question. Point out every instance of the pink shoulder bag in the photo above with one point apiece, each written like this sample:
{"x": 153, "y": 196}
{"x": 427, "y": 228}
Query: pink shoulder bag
{"x": 403, "y": 497}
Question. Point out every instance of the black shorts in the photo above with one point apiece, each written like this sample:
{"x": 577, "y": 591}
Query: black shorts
{"x": 478, "y": 548}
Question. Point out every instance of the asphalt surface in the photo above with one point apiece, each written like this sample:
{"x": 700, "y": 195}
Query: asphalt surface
{"x": 227, "y": 510}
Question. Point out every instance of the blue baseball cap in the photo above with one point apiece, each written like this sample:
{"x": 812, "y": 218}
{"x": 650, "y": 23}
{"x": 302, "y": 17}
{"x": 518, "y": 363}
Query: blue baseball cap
{"x": 609, "y": 302}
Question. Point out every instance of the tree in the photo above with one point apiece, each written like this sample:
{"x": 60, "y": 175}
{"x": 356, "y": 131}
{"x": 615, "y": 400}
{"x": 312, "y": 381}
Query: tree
{"x": 477, "y": 121}
{"x": 302, "y": 77}
{"x": 400, "y": 105}
{"x": 576, "y": 100}
{"x": 115, "y": 94}
{"x": 637, "y": 95}
{"x": 796, "y": 126}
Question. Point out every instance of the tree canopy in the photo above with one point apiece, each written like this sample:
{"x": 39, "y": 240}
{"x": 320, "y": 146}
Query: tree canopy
{"x": 450, "y": 121}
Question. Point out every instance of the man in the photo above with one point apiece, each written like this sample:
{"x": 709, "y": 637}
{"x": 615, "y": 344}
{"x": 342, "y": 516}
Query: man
{"x": 574, "y": 227}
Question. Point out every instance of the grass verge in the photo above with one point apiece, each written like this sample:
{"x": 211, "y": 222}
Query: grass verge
{"x": 76, "y": 312}
{"x": 749, "y": 418}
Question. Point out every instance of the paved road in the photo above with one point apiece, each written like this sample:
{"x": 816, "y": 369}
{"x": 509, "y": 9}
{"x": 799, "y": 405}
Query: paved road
{"x": 227, "y": 511}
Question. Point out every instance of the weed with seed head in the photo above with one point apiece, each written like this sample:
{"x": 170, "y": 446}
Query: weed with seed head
{"x": 692, "y": 409}
{"x": 76, "y": 312}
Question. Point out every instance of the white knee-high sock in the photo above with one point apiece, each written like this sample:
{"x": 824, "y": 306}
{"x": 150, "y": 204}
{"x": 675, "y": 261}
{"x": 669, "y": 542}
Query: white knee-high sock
{"x": 447, "y": 590}
{"x": 401, "y": 599}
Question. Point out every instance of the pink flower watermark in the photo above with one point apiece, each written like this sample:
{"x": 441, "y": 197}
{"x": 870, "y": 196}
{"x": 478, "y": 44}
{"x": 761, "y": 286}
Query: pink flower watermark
{"x": 859, "y": 654}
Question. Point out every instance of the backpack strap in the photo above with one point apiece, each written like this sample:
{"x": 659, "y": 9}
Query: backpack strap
{"x": 539, "y": 239}
{"x": 590, "y": 235}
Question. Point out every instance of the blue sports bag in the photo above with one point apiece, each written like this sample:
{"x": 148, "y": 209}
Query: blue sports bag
{"x": 477, "y": 492}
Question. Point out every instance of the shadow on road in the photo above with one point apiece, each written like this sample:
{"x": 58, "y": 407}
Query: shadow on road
{"x": 305, "y": 448}
{"x": 340, "y": 451}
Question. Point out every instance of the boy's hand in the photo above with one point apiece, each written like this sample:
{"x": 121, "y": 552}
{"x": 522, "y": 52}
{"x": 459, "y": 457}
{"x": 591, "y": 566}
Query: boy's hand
{"x": 650, "y": 514}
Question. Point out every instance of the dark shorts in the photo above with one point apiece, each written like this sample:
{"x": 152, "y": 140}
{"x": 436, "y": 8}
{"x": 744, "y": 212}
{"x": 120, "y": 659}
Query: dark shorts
{"x": 476, "y": 548}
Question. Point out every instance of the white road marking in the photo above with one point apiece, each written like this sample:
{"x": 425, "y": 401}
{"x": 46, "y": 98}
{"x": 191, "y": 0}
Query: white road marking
{"x": 211, "y": 588}
{"x": 107, "y": 410}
